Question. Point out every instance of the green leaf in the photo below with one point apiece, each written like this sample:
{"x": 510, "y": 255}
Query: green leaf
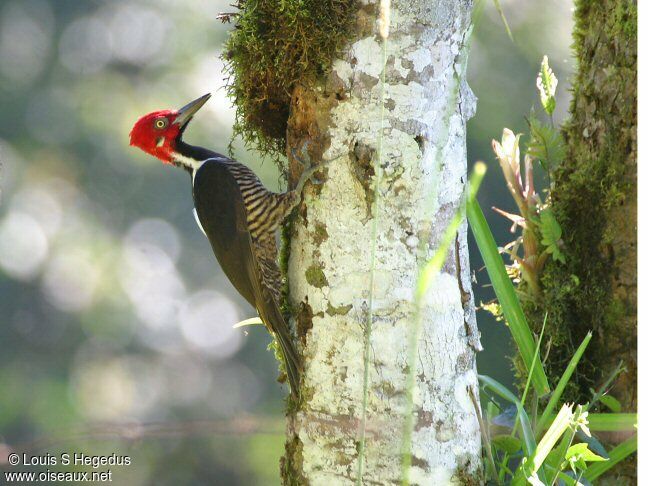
{"x": 569, "y": 481}
{"x": 610, "y": 402}
{"x": 605, "y": 387}
{"x": 618, "y": 454}
{"x": 579, "y": 455}
{"x": 506, "y": 295}
{"x": 581, "y": 451}
{"x": 507, "y": 443}
{"x": 547, "y": 83}
{"x": 551, "y": 234}
{"x": 519, "y": 479}
{"x": 545, "y": 144}
{"x": 554, "y": 459}
{"x": 593, "y": 443}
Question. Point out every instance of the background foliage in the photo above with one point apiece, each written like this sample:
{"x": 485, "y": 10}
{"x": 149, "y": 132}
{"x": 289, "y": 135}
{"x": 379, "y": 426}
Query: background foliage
{"x": 112, "y": 309}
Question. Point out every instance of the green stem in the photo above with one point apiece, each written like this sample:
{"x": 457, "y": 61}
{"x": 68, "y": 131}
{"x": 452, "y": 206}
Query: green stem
{"x": 374, "y": 239}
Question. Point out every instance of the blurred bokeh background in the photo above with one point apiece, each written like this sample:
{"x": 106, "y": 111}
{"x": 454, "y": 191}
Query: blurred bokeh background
{"x": 112, "y": 308}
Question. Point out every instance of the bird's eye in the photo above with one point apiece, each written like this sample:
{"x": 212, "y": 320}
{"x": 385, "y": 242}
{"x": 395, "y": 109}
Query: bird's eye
{"x": 161, "y": 123}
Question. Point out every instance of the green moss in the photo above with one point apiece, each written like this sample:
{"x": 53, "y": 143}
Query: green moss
{"x": 625, "y": 19}
{"x": 292, "y": 463}
{"x": 342, "y": 310}
{"x": 315, "y": 277}
{"x": 275, "y": 349}
{"x": 320, "y": 235}
{"x": 275, "y": 46}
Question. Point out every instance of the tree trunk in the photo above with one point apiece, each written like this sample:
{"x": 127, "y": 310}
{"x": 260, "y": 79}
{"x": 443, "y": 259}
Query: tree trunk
{"x": 355, "y": 254}
{"x": 594, "y": 199}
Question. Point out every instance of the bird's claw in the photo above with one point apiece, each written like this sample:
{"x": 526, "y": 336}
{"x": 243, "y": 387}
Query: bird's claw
{"x": 309, "y": 175}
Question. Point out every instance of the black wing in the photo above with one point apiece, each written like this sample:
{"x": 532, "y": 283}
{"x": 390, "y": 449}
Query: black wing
{"x": 223, "y": 216}
{"x": 221, "y": 212}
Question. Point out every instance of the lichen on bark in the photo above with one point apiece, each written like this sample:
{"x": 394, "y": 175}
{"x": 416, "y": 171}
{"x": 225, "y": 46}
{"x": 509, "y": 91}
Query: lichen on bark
{"x": 423, "y": 162}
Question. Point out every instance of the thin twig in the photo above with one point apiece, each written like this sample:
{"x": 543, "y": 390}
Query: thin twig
{"x": 606, "y": 386}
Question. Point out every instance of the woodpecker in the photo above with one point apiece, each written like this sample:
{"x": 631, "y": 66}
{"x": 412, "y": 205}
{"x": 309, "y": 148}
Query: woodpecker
{"x": 236, "y": 212}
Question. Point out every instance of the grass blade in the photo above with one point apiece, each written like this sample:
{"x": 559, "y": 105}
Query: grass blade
{"x": 608, "y": 422}
{"x": 486, "y": 440}
{"x": 560, "y": 388}
{"x": 499, "y": 9}
{"x": 506, "y": 295}
{"x": 618, "y": 454}
{"x": 536, "y": 359}
{"x": 612, "y": 422}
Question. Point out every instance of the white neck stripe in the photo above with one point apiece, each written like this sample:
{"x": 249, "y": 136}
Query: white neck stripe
{"x": 188, "y": 162}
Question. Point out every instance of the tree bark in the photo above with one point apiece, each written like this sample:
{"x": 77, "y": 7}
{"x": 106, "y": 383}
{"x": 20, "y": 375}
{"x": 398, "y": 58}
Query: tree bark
{"x": 398, "y": 170}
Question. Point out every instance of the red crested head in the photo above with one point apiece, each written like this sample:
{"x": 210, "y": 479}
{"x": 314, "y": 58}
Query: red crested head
{"x": 158, "y": 132}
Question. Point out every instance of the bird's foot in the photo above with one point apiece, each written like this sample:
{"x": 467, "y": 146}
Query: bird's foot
{"x": 308, "y": 175}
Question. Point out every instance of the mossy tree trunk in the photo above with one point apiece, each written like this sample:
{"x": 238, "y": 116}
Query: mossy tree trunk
{"x": 594, "y": 199}
{"x": 357, "y": 244}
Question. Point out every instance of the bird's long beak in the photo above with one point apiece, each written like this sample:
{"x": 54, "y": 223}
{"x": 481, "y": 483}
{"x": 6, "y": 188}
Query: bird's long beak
{"x": 189, "y": 110}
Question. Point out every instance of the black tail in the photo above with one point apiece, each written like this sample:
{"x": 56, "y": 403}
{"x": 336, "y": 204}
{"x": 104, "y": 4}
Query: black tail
{"x": 271, "y": 315}
{"x": 293, "y": 368}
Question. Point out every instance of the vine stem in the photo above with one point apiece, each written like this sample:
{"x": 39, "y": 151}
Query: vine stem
{"x": 374, "y": 236}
